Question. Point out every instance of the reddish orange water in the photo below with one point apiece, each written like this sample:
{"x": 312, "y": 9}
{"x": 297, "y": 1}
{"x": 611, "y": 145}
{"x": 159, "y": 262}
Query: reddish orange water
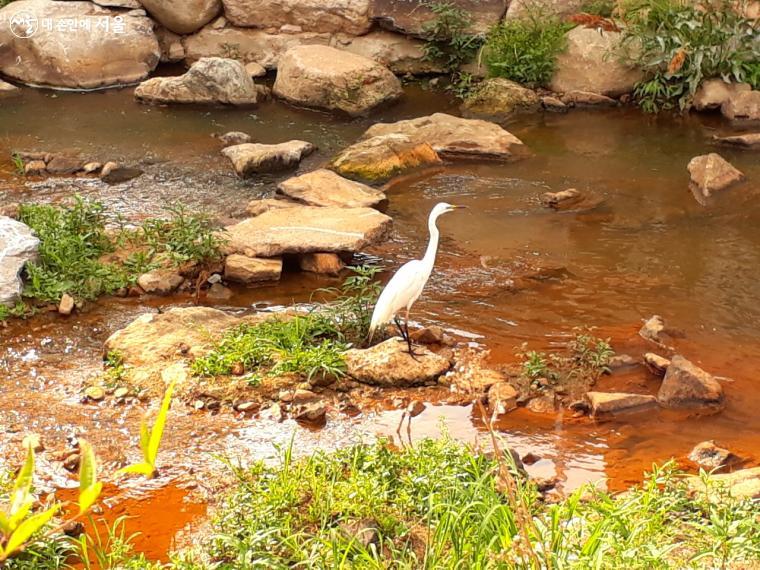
{"x": 647, "y": 248}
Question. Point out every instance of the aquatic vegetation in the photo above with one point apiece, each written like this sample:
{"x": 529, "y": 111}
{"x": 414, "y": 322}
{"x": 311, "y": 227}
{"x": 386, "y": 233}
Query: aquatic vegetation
{"x": 443, "y": 505}
{"x": 447, "y": 40}
{"x": 307, "y": 344}
{"x": 18, "y": 162}
{"x": 77, "y": 253}
{"x": 525, "y": 49}
{"x": 26, "y": 534}
{"x": 151, "y": 436}
{"x": 680, "y": 44}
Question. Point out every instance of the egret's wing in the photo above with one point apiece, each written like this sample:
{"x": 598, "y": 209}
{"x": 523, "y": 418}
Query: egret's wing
{"x": 402, "y": 290}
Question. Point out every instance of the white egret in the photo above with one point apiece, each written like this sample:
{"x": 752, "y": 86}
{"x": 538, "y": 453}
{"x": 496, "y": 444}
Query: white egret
{"x": 406, "y": 286}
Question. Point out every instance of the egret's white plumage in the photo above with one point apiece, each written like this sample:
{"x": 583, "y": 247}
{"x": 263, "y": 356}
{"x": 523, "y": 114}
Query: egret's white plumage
{"x": 406, "y": 286}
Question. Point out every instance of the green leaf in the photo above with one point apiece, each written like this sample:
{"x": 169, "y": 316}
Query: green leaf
{"x": 89, "y": 487}
{"x": 26, "y": 529}
{"x": 157, "y": 433}
{"x": 23, "y": 483}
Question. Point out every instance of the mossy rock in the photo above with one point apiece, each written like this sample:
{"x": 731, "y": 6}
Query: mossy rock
{"x": 500, "y": 97}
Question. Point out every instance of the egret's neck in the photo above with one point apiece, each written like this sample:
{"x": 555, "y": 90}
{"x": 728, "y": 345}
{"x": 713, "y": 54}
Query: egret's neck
{"x": 432, "y": 248}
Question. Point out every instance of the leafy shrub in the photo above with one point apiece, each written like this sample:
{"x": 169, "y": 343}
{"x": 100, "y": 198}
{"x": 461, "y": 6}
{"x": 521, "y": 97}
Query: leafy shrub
{"x": 679, "y": 44}
{"x": 447, "y": 40}
{"x": 525, "y": 49}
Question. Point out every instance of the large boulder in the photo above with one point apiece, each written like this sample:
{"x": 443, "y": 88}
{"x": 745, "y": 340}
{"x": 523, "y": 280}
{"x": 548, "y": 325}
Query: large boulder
{"x": 687, "y": 386}
{"x": 592, "y": 63}
{"x": 381, "y": 157}
{"x": 401, "y": 54}
{"x": 713, "y": 93}
{"x": 712, "y": 173}
{"x": 325, "y": 188}
{"x": 210, "y": 80}
{"x": 414, "y": 17}
{"x": 328, "y": 78}
{"x": 123, "y": 52}
{"x": 501, "y": 98}
{"x": 183, "y": 16}
{"x": 454, "y": 137}
{"x": 390, "y": 365}
{"x": 307, "y": 229}
{"x": 18, "y": 245}
{"x": 742, "y": 106}
{"x": 254, "y": 158}
{"x": 347, "y": 16}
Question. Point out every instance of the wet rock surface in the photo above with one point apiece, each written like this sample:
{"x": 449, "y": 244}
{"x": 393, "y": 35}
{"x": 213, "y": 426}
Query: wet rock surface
{"x": 711, "y": 173}
{"x": 454, "y": 137}
{"x": 749, "y": 140}
{"x": 307, "y": 229}
{"x": 615, "y": 403}
{"x": 687, "y": 386}
{"x": 501, "y": 98}
{"x": 99, "y": 58}
{"x": 711, "y": 456}
{"x": 211, "y": 80}
{"x": 389, "y": 364}
{"x": 336, "y": 80}
{"x": 326, "y": 188}
{"x": 253, "y": 158}
{"x": 381, "y": 157}
{"x": 744, "y": 106}
{"x": 18, "y": 245}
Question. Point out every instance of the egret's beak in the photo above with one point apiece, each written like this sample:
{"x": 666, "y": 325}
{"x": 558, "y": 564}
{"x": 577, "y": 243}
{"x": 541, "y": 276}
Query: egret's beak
{"x": 459, "y": 207}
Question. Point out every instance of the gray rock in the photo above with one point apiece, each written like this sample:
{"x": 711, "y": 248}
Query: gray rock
{"x": 687, "y": 386}
{"x": 253, "y": 158}
{"x": 211, "y": 80}
{"x": 18, "y": 245}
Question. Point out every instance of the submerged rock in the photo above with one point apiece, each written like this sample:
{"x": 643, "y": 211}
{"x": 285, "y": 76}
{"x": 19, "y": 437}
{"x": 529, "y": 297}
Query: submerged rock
{"x": 348, "y": 16}
{"x": 243, "y": 269}
{"x": 101, "y": 56}
{"x": 183, "y": 16}
{"x": 18, "y": 245}
{"x": 379, "y": 158}
{"x": 562, "y": 199}
{"x": 454, "y": 137}
{"x": 712, "y": 173}
{"x": 591, "y": 63}
{"x": 326, "y": 188}
{"x": 390, "y": 365}
{"x": 748, "y": 140}
{"x": 613, "y": 403}
{"x": 652, "y": 328}
{"x": 210, "y": 80}
{"x": 502, "y": 397}
{"x": 254, "y": 158}
{"x": 500, "y": 97}
{"x": 587, "y": 99}
{"x": 307, "y": 229}
{"x": 233, "y": 138}
{"x": 336, "y": 80}
{"x": 687, "y": 386}
{"x": 710, "y": 456}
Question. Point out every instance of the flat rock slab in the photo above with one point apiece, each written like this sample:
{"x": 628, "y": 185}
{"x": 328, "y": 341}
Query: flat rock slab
{"x": 326, "y": 188}
{"x": 86, "y": 59}
{"x": 749, "y": 140}
{"x": 327, "y": 78}
{"x": 388, "y": 364}
{"x": 18, "y": 245}
{"x": 611, "y": 403}
{"x": 455, "y": 137}
{"x": 210, "y": 80}
{"x": 413, "y": 17}
{"x": 688, "y": 386}
{"x": 307, "y": 229}
{"x": 381, "y": 157}
{"x": 254, "y": 158}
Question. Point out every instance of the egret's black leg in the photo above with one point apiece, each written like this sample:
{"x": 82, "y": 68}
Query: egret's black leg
{"x": 399, "y": 327}
{"x": 409, "y": 338}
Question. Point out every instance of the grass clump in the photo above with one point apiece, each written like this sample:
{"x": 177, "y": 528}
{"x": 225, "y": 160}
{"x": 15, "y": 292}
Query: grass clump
{"x": 525, "y": 49}
{"x": 679, "y": 44}
{"x": 447, "y": 39}
{"x": 77, "y": 253}
{"x": 309, "y": 345}
{"x": 441, "y": 505}
{"x": 601, "y": 8}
